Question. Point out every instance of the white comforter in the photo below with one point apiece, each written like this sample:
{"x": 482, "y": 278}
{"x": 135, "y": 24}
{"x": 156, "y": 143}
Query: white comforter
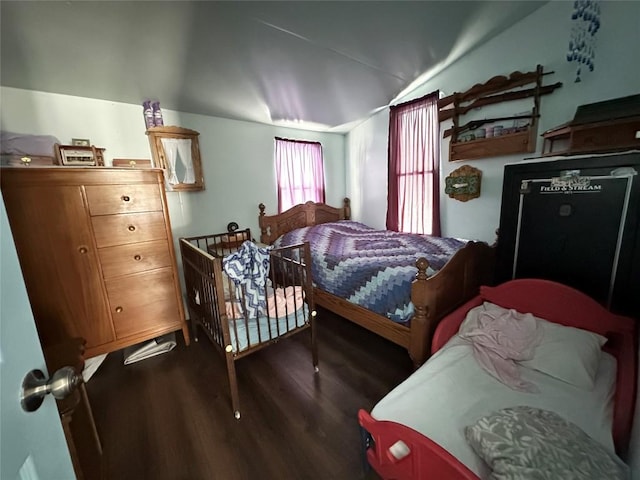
{"x": 452, "y": 391}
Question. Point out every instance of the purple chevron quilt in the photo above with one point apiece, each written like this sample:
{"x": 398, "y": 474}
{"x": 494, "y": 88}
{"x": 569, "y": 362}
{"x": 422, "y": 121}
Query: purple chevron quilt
{"x": 372, "y": 268}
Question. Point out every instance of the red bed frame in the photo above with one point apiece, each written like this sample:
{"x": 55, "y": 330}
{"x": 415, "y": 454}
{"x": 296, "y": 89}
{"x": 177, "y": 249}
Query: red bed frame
{"x": 545, "y": 299}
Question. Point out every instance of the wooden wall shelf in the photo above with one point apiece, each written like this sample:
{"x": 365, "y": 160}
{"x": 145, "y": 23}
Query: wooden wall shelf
{"x": 496, "y": 90}
{"x": 510, "y": 143}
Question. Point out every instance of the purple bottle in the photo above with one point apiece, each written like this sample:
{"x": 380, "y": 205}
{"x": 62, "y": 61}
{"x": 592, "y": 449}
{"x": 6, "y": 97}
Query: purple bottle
{"x": 148, "y": 113}
{"x": 157, "y": 114}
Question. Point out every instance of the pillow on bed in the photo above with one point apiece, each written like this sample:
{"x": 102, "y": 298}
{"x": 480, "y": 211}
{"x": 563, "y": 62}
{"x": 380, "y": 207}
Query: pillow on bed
{"x": 526, "y": 442}
{"x": 569, "y": 354}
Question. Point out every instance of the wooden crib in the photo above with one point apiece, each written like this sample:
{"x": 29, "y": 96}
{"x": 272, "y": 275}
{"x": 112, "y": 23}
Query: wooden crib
{"x": 224, "y": 311}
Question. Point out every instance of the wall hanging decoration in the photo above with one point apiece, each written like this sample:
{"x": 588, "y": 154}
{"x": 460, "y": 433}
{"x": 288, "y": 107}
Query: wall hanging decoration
{"x": 585, "y": 23}
{"x": 463, "y": 183}
{"x": 176, "y": 150}
{"x": 508, "y": 134}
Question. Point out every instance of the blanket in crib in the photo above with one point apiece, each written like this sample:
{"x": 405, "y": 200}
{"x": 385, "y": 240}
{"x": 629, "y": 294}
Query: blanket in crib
{"x": 368, "y": 267}
{"x": 249, "y": 267}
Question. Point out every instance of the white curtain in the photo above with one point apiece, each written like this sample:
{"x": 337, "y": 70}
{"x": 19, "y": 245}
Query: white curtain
{"x": 299, "y": 172}
{"x": 170, "y": 146}
{"x": 184, "y": 149}
{"x": 175, "y": 148}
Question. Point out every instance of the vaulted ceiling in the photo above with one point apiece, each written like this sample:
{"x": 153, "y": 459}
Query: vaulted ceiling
{"x": 326, "y": 63}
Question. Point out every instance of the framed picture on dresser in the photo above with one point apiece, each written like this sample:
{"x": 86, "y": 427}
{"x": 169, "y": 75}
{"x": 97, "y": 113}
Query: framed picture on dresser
{"x": 76, "y": 155}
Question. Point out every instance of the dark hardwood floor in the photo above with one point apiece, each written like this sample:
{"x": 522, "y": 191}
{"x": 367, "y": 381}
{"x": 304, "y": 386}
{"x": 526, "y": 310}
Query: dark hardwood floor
{"x": 169, "y": 417}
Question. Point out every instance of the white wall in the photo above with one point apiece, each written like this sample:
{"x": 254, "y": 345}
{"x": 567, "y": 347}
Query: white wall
{"x": 542, "y": 38}
{"x": 237, "y": 156}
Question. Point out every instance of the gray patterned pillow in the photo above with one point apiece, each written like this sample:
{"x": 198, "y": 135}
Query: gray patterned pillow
{"x": 530, "y": 443}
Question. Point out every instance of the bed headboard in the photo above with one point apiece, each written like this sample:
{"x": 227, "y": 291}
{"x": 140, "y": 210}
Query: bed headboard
{"x": 303, "y": 215}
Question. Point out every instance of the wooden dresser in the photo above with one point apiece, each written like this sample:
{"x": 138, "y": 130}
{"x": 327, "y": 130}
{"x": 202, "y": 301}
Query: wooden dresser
{"x": 97, "y": 254}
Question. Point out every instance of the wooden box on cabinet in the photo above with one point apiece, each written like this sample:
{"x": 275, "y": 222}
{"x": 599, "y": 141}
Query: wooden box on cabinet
{"x": 607, "y": 136}
{"x": 81, "y": 234}
{"x": 608, "y": 126}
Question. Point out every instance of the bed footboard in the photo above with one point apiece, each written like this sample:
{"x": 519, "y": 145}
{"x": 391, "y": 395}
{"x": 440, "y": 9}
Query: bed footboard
{"x": 435, "y": 296}
{"x": 400, "y": 453}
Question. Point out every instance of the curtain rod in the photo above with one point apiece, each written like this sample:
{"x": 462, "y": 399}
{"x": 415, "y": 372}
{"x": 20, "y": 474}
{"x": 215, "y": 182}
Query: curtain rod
{"x": 297, "y": 141}
{"x": 416, "y": 100}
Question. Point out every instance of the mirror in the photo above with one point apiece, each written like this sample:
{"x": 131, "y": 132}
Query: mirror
{"x": 176, "y": 151}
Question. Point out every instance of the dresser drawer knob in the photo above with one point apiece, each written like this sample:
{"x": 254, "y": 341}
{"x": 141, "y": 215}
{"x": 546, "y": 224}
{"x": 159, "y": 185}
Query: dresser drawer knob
{"x": 132, "y": 228}
{"x": 83, "y": 250}
{"x": 119, "y": 309}
{"x": 137, "y": 258}
{"x": 125, "y": 198}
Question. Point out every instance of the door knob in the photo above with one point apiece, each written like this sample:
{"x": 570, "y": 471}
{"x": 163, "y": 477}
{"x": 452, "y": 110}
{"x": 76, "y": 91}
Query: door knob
{"x": 35, "y": 386}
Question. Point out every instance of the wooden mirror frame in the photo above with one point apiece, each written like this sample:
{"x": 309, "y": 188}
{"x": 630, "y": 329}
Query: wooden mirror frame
{"x": 156, "y": 134}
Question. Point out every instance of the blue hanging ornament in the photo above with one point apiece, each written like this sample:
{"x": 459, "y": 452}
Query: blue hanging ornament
{"x": 585, "y": 23}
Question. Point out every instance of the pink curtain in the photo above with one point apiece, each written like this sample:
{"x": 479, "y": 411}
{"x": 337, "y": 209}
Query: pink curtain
{"x": 299, "y": 172}
{"x": 413, "y": 198}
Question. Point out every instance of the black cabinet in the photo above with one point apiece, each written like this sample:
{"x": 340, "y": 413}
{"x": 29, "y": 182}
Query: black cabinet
{"x": 575, "y": 221}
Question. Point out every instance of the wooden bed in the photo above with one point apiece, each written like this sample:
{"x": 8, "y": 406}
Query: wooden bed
{"x": 432, "y": 296}
{"x": 223, "y": 309}
{"x": 422, "y": 457}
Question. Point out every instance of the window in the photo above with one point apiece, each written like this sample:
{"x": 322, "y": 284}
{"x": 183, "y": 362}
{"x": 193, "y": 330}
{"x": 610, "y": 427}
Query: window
{"x": 413, "y": 203}
{"x": 299, "y": 172}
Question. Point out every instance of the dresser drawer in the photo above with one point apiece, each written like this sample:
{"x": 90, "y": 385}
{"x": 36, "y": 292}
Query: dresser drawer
{"x": 143, "y": 302}
{"x": 134, "y": 258}
{"x": 109, "y": 199}
{"x": 110, "y": 230}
